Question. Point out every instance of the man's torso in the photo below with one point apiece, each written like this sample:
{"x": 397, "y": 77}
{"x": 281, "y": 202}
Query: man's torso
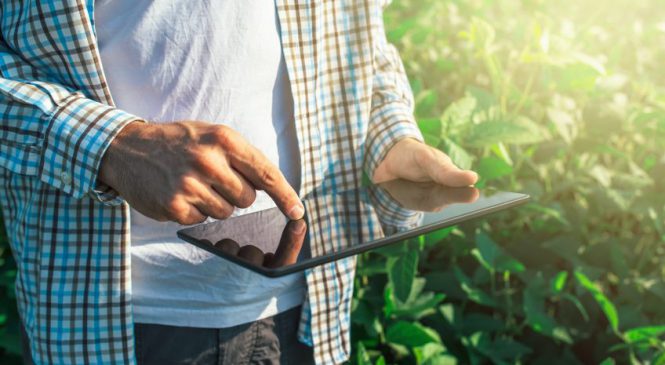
{"x": 222, "y": 64}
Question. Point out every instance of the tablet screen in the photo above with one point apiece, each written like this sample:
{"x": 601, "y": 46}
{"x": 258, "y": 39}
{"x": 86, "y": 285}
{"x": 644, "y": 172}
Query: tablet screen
{"x": 342, "y": 224}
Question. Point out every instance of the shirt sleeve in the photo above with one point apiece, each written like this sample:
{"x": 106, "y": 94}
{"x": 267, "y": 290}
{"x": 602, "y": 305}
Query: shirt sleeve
{"x": 50, "y": 131}
{"x": 391, "y": 116}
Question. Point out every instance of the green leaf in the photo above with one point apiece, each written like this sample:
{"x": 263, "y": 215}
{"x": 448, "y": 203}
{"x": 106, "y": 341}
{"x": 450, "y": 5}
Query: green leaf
{"x": 643, "y": 333}
{"x": 564, "y": 123}
{"x": 489, "y": 133}
{"x": 362, "y": 357}
{"x": 393, "y": 251}
{"x": 659, "y": 358}
{"x": 448, "y": 312}
{"x": 605, "y": 304}
{"x": 418, "y": 304}
{"x": 456, "y": 115}
{"x": 556, "y": 214}
{"x": 425, "y": 353}
{"x": 363, "y": 314}
{"x": 416, "y": 290}
{"x": 602, "y": 175}
{"x": 430, "y": 126}
{"x": 481, "y": 34}
{"x": 442, "y": 359}
{"x": 494, "y": 257}
{"x": 479, "y": 256}
{"x": 402, "y": 273}
{"x": 504, "y": 349}
{"x": 559, "y": 281}
{"x": 484, "y": 98}
{"x": 492, "y": 168}
{"x": 438, "y": 236}
{"x": 576, "y": 302}
{"x": 457, "y": 154}
{"x": 533, "y": 302}
{"x": 501, "y": 152}
{"x": 422, "y": 306}
{"x": 478, "y": 322}
{"x": 580, "y": 75}
{"x": 608, "y": 361}
{"x": 411, "y": 334}
{"x": 431, "y": 140}
{"x": 406, "y": 25}
{"x": 425, "y": 103}
{"x": 474, "y": 294}
{"x": 488, "y": 249}
{"x": 371, "y": 267}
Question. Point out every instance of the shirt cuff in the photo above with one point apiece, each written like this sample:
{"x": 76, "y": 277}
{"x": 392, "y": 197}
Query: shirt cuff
{"x": 388, "y": 125}
{"x": 80, "y": 130}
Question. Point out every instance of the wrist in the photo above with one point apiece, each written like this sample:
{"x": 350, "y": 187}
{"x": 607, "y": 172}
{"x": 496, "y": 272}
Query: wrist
{"x": 111, "y": 164}
{"x": 386, "y": 170}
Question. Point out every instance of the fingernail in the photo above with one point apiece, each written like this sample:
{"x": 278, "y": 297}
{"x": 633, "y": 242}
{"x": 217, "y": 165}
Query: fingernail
{"x": 296, "y": 212}
{"x": 298, "y": 226}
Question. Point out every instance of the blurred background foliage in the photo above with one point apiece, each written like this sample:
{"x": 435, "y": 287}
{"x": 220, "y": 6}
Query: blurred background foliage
{"x": 564, "y": 100}
{"x": 10, "y": 342}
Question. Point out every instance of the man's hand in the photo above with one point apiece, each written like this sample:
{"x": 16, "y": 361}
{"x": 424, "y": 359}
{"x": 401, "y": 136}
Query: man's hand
{"x": 187, "y": 171}
{"x": 412, "y": 160}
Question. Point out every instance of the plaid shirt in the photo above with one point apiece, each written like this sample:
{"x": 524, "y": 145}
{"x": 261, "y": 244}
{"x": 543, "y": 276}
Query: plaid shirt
{"x": 70, "y": 235}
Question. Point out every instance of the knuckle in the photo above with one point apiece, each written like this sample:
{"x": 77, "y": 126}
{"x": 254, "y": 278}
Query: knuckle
{"x": 221, "y": 211}
{"x": 224, "y": 135}
{"x": 187, "y": 185}
{"x": 225, "y": 211}
{"x": 177, "y": 209}
{"x": 267, "y": 176}
{"x": 246, "y": 198}
{"x": 192, "y": 219}
{"x": 207, "y": 162}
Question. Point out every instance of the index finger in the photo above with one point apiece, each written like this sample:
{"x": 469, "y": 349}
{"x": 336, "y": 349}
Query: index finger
{"x": 264, "y": 175}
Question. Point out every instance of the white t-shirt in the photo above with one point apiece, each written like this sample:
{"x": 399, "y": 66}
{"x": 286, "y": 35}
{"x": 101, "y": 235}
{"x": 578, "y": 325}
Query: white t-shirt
{"x": 219, "y": 61}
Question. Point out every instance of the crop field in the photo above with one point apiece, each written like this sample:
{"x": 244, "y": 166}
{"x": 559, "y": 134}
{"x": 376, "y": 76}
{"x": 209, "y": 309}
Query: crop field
{"x": 563, "y": 100}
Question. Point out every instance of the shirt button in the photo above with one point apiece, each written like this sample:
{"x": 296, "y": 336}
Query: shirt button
{"x": 65, "y": 178}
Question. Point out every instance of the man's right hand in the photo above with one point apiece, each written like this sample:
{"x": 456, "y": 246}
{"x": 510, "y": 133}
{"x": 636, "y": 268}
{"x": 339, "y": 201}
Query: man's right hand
{"x": 187, "y": 171}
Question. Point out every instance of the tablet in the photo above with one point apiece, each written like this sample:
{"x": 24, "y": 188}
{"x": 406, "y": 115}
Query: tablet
{"x": 341, "y": 224}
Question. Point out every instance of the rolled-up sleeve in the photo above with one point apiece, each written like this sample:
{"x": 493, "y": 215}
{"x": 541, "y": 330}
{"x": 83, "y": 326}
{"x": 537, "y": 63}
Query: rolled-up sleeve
{"x": 53, "y": 132}
{"x": 391, "y": 117}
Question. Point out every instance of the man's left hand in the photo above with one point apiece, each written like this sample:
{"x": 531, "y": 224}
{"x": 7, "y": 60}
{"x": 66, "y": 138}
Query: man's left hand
{"x": 413, "y": 160}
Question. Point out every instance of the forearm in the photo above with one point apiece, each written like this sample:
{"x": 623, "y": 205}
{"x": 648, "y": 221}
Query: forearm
{"x": 391, "y": 116}
{"x": 62, "y": 144}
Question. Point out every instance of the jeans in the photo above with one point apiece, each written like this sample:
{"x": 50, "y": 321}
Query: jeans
{"x": 271, "y": 340}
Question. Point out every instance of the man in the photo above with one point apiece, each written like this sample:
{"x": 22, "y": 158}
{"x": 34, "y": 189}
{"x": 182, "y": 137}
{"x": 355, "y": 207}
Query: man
{"x": 202, "y": 74}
